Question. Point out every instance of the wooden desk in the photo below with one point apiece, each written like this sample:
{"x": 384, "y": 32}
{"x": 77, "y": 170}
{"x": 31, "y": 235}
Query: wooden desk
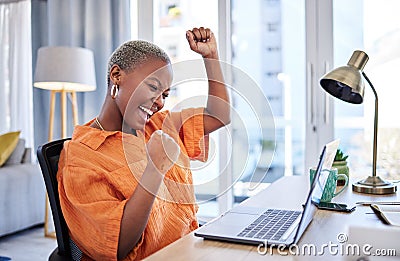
{"x": 287, "y": 192}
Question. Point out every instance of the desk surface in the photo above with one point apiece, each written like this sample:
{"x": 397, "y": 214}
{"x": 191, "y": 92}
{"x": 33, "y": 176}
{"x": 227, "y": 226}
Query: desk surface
{"x": 287, "y": 192}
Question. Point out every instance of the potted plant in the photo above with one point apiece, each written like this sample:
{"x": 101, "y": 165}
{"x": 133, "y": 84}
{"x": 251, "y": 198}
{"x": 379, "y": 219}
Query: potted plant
{"x": 340, "y": 162}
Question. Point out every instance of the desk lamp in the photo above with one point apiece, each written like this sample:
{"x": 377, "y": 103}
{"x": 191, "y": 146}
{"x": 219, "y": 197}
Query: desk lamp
{"x": 346, "y": 83}
{"x": 64, "y": 70}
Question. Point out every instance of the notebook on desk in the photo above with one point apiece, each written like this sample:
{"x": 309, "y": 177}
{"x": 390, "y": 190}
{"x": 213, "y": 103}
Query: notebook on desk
{"x": 251, "y": 225}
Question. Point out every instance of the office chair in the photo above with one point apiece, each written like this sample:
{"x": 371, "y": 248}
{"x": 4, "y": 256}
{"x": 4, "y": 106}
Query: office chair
{"x": 48, "y": 155}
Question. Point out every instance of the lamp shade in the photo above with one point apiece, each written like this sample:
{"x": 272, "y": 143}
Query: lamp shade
{"x": 62, "y": 68}
{"x": 346, "y": 82}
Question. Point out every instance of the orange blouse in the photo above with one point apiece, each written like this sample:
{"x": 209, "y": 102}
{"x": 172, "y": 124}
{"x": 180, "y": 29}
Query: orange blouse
{"x": 99, "y": 171}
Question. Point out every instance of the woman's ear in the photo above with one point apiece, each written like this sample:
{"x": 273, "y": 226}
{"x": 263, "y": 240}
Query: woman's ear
{"x": 115, "y": 74}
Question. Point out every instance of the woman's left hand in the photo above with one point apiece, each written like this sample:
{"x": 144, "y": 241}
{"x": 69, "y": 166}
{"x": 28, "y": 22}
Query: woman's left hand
{"x": 202, "y": 41}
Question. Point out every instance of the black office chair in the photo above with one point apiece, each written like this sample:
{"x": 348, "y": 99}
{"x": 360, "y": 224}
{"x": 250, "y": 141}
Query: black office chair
{"x": 48, "y": 156}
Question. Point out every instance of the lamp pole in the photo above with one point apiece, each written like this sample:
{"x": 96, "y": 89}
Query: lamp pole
{"x": 375, "y": 141}
{"x": 374, "y": 184}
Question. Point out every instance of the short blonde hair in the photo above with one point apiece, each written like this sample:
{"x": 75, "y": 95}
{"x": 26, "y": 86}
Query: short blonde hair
{"x": 133, "y": 53}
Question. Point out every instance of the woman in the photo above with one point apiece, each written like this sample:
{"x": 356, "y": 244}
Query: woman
{"x": 124, "y": 179}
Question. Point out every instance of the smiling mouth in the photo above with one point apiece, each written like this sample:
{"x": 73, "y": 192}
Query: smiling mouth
{"x": 148, "y": 111}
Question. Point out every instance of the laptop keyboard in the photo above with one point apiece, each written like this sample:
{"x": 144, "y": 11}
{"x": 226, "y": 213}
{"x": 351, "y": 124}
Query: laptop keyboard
{"x": 271, "y": 225}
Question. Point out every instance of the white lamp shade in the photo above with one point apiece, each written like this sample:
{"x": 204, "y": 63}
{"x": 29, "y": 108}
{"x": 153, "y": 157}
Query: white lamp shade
{"x": 65, "y": 68}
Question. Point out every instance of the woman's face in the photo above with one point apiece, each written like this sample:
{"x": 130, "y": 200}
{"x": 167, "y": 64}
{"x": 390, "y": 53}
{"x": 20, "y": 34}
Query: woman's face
{"x": 143, "y": 92}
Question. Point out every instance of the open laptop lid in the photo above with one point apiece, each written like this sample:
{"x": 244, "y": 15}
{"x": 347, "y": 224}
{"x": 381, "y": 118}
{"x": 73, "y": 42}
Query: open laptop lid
{"x": 330, "y": 152}
{"x": 317, "y": 185}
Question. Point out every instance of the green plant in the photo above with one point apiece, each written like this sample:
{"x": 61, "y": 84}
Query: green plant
{"x": 340, "y": 155}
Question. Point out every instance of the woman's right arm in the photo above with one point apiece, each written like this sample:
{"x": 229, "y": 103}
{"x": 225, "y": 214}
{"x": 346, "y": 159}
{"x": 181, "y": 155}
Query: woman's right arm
{"x": 138, "y": 207}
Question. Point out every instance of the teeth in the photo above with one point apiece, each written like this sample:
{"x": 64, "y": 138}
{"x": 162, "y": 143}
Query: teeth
{"x": 149, "y": 112}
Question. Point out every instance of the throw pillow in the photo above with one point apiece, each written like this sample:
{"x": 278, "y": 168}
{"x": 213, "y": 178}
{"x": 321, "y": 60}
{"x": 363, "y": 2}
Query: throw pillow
{"x": 8, "y": 142}
{"x": 18, "y": 153}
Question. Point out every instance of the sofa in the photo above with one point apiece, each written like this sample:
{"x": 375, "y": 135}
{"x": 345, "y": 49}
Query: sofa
{"x": 22, "y": 192}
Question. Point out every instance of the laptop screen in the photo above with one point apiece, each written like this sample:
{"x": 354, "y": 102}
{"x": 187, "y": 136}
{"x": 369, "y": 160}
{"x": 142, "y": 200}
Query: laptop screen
{"x": 317, "y": 185}
{"x": 320, "y": 182}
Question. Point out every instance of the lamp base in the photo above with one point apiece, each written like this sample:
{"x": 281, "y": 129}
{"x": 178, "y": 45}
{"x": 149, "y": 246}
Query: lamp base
{"x": 374, "y": 185}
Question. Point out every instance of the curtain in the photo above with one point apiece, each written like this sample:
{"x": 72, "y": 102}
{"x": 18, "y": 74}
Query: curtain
{"x": 99, "y": 25}
{"x": 15, "y": 69}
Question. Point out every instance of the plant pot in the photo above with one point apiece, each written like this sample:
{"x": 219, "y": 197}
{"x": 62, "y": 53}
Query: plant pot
{"x": 342, "y": 169}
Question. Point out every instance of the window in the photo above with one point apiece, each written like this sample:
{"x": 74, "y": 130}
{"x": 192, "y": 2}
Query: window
{"x": 265, "y": 46}
{"x": 284, "y": 47}
{"x": 375, "y": 30}
{"x": 15, "y": 70}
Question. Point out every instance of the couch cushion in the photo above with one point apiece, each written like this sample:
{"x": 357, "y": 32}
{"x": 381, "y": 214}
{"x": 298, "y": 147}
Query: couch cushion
{"x": 8, "y": 142}
{"x": 22, "y": 198}
{"x": 18, "y": 153}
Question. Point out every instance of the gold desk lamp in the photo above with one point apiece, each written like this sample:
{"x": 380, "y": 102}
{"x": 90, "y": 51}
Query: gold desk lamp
{"x": 346, "y": 83}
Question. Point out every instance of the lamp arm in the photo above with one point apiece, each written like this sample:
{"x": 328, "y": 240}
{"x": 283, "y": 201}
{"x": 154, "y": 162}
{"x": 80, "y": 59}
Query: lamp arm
{"x": 374, "y": 155}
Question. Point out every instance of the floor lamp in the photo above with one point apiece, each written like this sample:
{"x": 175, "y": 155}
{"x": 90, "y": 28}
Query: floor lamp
{"x": 346, "y": 83}
{"x": 63, "y": 70}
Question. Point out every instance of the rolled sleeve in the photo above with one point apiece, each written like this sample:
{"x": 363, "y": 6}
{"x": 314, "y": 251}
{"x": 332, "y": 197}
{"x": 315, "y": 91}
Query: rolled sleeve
{"x": 192, "y": 134}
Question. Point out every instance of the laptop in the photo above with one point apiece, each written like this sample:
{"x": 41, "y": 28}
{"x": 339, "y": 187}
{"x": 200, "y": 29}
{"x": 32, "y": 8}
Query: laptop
{"x": 251, "y": 225}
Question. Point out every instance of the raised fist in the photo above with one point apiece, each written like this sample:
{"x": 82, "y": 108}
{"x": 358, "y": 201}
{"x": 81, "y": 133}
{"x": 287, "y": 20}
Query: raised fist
{"x": 202, "y": 41}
